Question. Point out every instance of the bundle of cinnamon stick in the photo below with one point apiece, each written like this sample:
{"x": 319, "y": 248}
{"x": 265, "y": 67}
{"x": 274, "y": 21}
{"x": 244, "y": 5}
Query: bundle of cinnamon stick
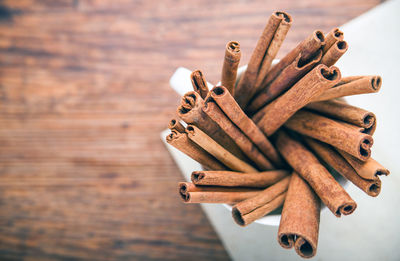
{"x": 272, "y": 136}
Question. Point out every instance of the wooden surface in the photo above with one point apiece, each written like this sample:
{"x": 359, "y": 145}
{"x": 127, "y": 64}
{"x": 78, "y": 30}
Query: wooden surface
{"x": 83, "y": 97}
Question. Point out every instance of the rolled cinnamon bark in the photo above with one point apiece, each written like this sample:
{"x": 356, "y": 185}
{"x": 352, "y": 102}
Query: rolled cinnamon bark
{"x": 174, "y": 124}
{"x": 212, "y": 147}
{"x": 249, "y": 149}
{"x": 280, "y": 110}
{"x": 288, "y": 76}
{"x": 331, "y": 38}
{"x": 344, "y": 111}
{"x": 331, "y": 132}
{"x": 272, "y": 37}
{"x": 251, "y": 209}
{"x": 316, "y": 175}
{"x": 299, "y": 225}
{"x": 191, "y": 112}
{"x": 369, "y": 169}
{"x": 307, "y": 48}
{"x": 331, "y": 157}
{"x": 334, "y": 53}
{"x": 273, "y": 48}
{"x": 230, "y": 66}
{"x": 238, "y": 179}
{"x": 184, "y": 144}
{"x": 233, "y": 111}
{"x": 199, "y": 83}
{"x": 203, "y": 194}
{"x": 352, "y": 85}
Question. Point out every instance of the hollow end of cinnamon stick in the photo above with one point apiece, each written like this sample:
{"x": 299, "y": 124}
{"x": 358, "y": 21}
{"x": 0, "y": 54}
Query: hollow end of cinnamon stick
{"x": 376, "y": 82}
{"x": 218, "y": 91}
{"x": 337, "y": 33}
{"x": 286, "y": 240}
{"x": 183, "y": 192}
{"x": 375, "y": 188}
{"x": 342, "y": 45}
{"x": 346, "y": 209}
{"x": 190, "y": 129}
{"x": 331, "y": 74}
{"x": 365, "y": 147}
{"x": 304, "y": 249}
{"x": 368, "y": 120}
{"x": 237, "y": 217}
{"x": 174, "y": 124}
{"x": 197, "y": 175}
{"x": 233, "y": 46}
{"x": 319, "y": 36}
{"x": 286, "y": 17}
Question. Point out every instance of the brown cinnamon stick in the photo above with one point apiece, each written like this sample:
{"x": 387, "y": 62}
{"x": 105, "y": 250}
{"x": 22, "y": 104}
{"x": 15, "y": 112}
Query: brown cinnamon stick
{"x": 203, "y": 194}
{"x": 331, "y": 38}
{"x": 191, "y": 112}
{"x": 316, "y": 175}
{"x": 249, "y": 149}
{"x": 233, "y": 111}
{"x": 272, "y": 37}
{"x": 331, "y": 157}
{"x": 238, "y": 179}
{"x": 369, "y": 169}
{"x": 352, "y": 85}
{"x": 184, "y": 144}
{"x": 175, "y": 125}
{"x": 334, "y": 53}
{"x": 199, "y": 83}
{"x": 307, "y": 48}
{"x": 299, "y": 223}
{"x": 251, "y": 209}
{"x": 212, "y": 147}
{"x": 344, "y": 111}
{"x": 280, "y": 110}
{"x": 230, "y": 66}
{"x": 287, "y": 77}
{"x": 331, "y": 132}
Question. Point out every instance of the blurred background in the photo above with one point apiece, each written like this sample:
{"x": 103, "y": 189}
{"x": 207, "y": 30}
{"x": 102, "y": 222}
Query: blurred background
{"x": 84, "y": 95}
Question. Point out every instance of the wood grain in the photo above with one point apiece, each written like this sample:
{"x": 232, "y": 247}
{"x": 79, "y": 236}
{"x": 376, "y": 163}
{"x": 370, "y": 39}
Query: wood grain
{"x": 83, "y": 97}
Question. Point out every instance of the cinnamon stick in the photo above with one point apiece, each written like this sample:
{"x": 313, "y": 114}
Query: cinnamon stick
{"x": 199, "y": 83}
{"x": 175, "y": 125}
{"x": 251, "y": 209}
{"x": 334, "y": 53}
{"x": 263, "y": 54}
{"x": 331, "y": 132}
{"x": 331, "y": 157}
{"x": 287, "y": 77}
{"x": 184, "y": 144}
{"x": 331, "y": 38}
{"x": 249, "y": 149}
{"x": 316, "y": 175}
{"x": 300, "y": 217}
{"x": 203, "y": 194}
{"x": 280, "y": 110}
{"x": 212, "y": 147}
{"x": 369, "y": 169}
{"x": 352, "y": 86}
{"x": 344, "y": 111}
{"x": 307, "y": 48}
{"x": 230, "y": 66}
{"x": 238, "y": 179}
{"x": 191, "y": 112}
{"x": 233, "y": 111}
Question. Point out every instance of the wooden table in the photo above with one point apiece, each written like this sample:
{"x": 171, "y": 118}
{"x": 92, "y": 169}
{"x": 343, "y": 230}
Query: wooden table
{"x": 83, "y": 97}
